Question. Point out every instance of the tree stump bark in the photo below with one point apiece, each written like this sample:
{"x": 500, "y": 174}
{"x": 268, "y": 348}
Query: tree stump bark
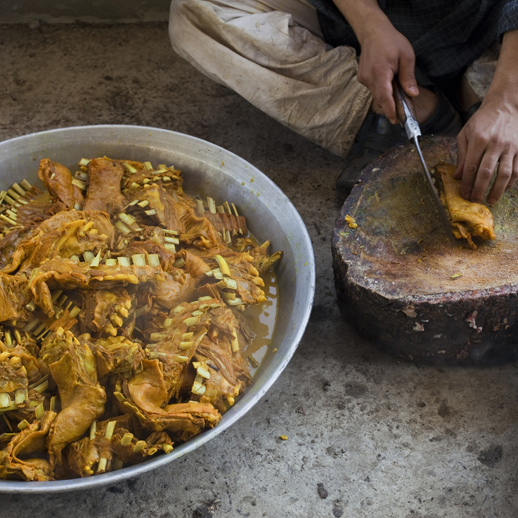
{"x": 403, "y": 285}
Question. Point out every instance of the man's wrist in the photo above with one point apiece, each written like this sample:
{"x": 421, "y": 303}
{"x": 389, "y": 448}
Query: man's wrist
{"x": 503, "y": 87}
{"x": 363, "y": 16}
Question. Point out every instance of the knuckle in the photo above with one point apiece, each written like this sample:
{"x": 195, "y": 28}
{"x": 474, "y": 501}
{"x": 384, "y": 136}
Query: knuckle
{"x": 479, "y": 137}
{"x": 485, "y": 172}
{"x": 505, "y": 173}
{"x": 470, "y": 169}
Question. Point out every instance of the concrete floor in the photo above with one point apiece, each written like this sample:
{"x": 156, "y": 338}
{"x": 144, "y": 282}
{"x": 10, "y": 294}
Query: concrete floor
{"x": 369, "y": 436}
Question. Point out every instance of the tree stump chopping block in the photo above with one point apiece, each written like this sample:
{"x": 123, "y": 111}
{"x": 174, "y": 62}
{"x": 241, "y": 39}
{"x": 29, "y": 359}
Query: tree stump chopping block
{"x": 402, "y": 284}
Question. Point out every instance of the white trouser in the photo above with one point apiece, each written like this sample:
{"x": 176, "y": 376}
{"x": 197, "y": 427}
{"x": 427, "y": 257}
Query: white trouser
{"x": 272, "y": 53}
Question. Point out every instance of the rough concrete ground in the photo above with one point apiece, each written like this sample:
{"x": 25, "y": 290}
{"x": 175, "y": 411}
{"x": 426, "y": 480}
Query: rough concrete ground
{"x": 369, "y": 436}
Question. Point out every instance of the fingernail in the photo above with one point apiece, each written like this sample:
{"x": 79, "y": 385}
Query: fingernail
{"x": 414, "y": 89}
{"x": 491, "y": 201}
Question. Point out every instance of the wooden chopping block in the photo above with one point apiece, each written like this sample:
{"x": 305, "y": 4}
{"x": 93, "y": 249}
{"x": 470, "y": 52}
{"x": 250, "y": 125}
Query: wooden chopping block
{"x": 402, "y": 284}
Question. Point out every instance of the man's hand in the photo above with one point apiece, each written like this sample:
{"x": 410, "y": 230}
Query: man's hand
{"x": 385, "y": 53}
{"x": 489, "y": 141}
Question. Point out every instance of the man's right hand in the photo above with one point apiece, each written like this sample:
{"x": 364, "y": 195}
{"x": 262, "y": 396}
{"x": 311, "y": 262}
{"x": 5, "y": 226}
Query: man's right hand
{"x": 385, "y": 52}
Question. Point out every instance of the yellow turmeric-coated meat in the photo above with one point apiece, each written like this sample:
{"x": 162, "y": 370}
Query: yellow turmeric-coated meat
{"x": 121, "y": 317}
{"x": 468, "y": 219}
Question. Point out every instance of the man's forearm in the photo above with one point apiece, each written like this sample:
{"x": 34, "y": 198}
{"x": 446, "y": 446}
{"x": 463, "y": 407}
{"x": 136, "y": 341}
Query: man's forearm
{"x": 362, "y": 15}
{"x": 504, "y": 85}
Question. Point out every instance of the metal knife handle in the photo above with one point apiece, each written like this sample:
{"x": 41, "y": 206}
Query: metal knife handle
{"x": 405, "y": 110}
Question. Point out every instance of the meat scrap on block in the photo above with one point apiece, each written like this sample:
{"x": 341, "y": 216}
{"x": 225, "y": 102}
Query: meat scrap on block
{"x": 121, "y": 316}
{"x": 468, "y": 219}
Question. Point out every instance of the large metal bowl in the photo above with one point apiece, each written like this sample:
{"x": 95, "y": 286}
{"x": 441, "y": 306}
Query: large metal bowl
{"x": 270, "y": 215}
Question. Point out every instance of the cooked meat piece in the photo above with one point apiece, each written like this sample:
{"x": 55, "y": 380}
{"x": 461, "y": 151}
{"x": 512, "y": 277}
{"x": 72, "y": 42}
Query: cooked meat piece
{"x": 30, "y": 440}
{"x": 104, "y": 310}
{"x": 82, "y": 398}
{"x": 117, "y": 354}
{"x": 216, "y": 347}
{"x": 262, "y": 261}
{"x": 218, "y": 390}
{"x": 55, "y": 345}
{"x": 84, "y": 456}
{"x": 227, "y": 222}
{"x": 14, "y": 296}
{"x": 183, "y": 420}
{"x": 58, "y": 181}
{"x": 13, "y": 380}
{"x": 208, "y": 290}
{"x": 145, "y": 396}
{"x": 169, "y": 179}
{"x": 148, "y": 389}
{"x": 28, "y": 412}
{"x": 67, "y": 275}
{"x": 172, "y": 288}
{"x": 9, "y": 244}
{"x": 168, "y": 212}
{"x": 200, "y": 233}
{"x": 39, "y": 210}
{"x": 168, "y": 288}
{"x": 22, "y": 345}
{"x": 61, "y": 274}
{"x": 245, "y": 330}
{"x": 467, "y": 218}
{"x": 66, "y": 234}
{"x": 167, "y": 258}
{"x": 61, "y": 319}
{"x": 34, "y": 369}
{"x": 248, "y": 281}
{"x": 177, "y": 343}
{"x": 104, "y": 187}
{"x": 194, "y": 265}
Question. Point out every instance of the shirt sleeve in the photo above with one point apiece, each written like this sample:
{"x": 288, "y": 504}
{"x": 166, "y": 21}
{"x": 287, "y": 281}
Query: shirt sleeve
{"x": 508, "y": 20}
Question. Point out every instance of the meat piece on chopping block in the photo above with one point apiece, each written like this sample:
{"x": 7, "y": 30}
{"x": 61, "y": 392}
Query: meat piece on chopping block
{"x": 401, "y": 282}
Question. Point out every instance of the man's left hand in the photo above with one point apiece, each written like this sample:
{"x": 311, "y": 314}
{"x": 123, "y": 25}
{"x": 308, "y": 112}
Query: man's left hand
{"x": 488, "y": 142}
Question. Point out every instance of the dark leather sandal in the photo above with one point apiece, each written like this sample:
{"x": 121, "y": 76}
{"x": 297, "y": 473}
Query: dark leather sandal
{"x": 377, "y": 135}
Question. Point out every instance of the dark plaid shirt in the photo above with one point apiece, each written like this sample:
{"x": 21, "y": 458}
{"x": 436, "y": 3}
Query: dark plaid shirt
{"x": 447, "y": 35}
